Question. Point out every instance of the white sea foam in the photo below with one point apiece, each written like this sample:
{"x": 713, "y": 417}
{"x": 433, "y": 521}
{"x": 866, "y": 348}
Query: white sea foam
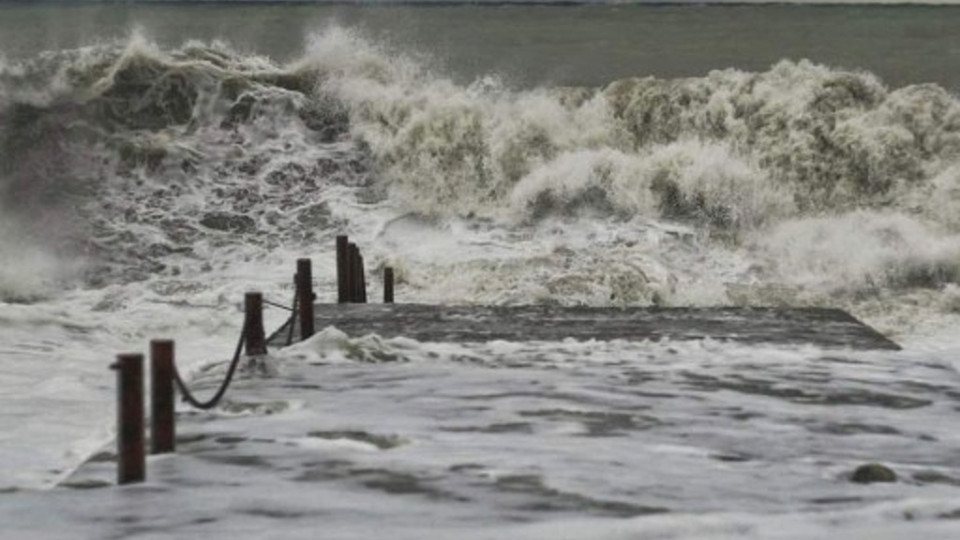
{"x": 182, "y": 178}
{"x": 513, "y": 440}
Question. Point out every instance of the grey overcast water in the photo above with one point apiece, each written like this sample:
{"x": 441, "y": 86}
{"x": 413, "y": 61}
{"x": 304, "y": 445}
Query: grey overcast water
{"x": 538, "y": 45}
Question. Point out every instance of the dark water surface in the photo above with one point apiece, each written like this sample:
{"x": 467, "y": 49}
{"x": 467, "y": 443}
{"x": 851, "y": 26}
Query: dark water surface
{"x": 539, "y": 45}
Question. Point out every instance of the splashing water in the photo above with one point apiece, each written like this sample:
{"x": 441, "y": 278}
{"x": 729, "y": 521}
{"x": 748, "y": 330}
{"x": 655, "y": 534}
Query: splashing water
{"x": 738, "y": 182}
{"x": 142, "y": 186}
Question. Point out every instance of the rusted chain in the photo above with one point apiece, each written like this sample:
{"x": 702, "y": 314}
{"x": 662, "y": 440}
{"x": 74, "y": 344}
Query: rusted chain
{"x": 212, "y": 402}
{"x": 276, "y": 305}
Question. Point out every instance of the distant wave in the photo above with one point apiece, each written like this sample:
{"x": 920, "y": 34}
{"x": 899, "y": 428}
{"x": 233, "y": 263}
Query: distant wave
{"x": 139, "y": 154}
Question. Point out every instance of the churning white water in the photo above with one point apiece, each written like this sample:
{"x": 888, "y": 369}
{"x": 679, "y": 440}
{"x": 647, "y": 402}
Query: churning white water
{"x": 144, "y": 189}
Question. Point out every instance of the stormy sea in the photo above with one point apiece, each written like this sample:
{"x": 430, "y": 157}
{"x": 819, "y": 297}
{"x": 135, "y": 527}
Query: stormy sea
{"x": 158, "y": 160}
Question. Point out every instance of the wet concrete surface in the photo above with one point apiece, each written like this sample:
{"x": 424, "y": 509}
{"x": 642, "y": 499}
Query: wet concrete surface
{"x": 829, "y": 328}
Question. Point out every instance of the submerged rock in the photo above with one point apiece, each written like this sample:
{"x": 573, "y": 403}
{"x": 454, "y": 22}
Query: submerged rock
{"x": 873, "y": 472}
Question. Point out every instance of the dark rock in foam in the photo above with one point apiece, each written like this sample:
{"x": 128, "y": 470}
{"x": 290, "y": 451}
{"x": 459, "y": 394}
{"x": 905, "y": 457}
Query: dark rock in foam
{"x": 872, "y": 473}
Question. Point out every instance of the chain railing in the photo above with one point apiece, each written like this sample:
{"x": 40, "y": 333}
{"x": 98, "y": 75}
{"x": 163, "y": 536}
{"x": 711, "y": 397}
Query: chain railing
{"x": 166, "y": 378}
{"x": 231, "y": 370}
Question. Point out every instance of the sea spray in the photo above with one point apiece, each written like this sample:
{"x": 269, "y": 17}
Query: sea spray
{"x": 162, "y": 157}
{"x": 862, "y": 251}
{"x": 733, "y": 187}
{"x": 29, "y": 271}
{"x": 176, "y": 178}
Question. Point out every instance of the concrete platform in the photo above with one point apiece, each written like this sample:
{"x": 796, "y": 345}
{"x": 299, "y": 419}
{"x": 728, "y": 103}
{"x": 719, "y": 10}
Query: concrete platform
{"x": 832, "y": 328}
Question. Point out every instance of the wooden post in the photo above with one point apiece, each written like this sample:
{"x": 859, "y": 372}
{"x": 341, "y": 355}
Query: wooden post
{"x": 162, "y": 416}
{"x": 131, "y": 461}
{"x": 255, "y": 341}
{"x": 388, "y": 285}
{"x": 305, "y": 297}
{"x": 343, "y": 268}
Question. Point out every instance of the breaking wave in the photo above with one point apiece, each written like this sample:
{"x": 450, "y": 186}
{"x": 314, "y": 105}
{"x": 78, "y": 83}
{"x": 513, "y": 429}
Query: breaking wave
{"x": 803, "y": 178}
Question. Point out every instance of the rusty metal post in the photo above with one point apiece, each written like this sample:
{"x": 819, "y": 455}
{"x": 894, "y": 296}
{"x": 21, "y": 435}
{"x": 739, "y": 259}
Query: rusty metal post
{"x": 296, "y": 308}
{"x": 361, "y": 279}
{"x": 388, "y": 285}
{"x": 131, "y": 461}
{"x": 351, "y": 284}
{"x": 343, "y": 268}
{"x": 356, "y": 273}
{"x": 162, "y": 416}
{"x": 305, "y": 297}
{"x": 255, "y": 340}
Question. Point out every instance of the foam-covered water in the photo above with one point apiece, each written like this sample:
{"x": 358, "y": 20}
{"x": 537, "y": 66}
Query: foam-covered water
{"x": 144, "y": 188}
{"x": 141, "y": 163}
{"x": 526, "y": 440}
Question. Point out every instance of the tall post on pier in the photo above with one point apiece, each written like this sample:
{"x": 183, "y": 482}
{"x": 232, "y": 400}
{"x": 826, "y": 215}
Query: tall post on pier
{"x": 296, "y": 308}
{"x": 343, "y": 268}
{"x": 131, "y": 461}
{"x": 305, "y": 297}
{"x": 388, "y": 285}
{"x": 350, "y": 279}
{"x": 355, "y": 273}
{"x": 361, "y": 279}
{"x": 254, "y": 340}
{"x": 162, "y": 416}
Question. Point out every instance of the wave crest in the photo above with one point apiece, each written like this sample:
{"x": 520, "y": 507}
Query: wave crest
{"x": 156, "y": 159}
